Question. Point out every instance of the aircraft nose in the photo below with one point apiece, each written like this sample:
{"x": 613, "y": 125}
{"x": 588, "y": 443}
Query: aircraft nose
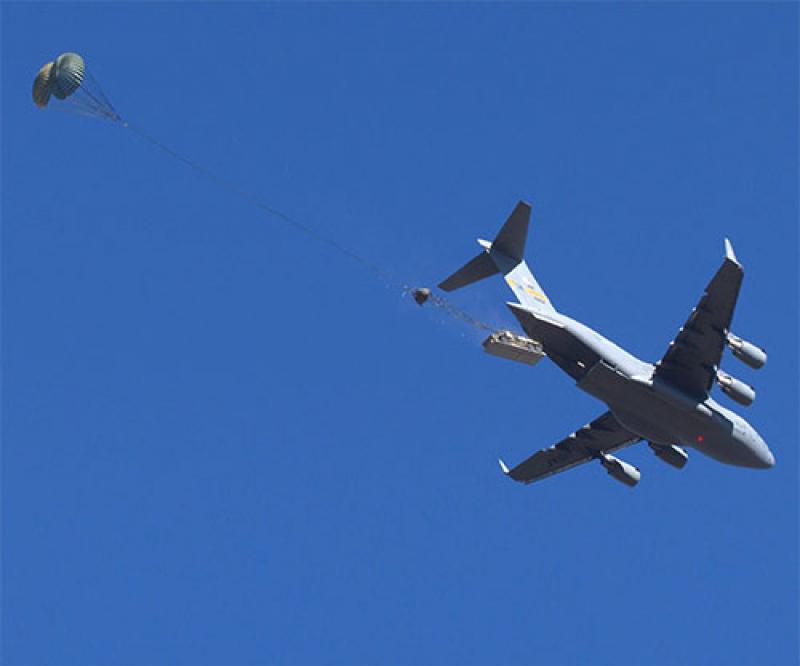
{"x": 763, "y": 455}
{"x": 760, "y": 455}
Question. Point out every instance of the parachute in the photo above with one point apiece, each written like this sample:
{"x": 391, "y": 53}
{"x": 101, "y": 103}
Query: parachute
{"x": 41, "y": 86}
{"x": 68, "y": 80}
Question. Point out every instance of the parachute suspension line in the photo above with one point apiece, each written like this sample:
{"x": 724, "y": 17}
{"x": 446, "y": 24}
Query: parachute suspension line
{"x": 386, "y": 276}
{"x": 89, "y": 100}
{"x": 92, "y": 96}
{"x": 104, "y": 102}
{"x": 75, "y": 110}
{"x": 83, "y": 104}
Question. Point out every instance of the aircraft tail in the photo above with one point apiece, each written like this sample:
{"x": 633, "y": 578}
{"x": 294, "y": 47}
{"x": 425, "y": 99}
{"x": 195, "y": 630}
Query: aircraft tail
{"x": 505, "y": 255}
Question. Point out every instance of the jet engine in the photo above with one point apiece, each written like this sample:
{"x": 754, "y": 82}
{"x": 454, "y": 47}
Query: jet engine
{"x": 747, "y": 352}
{"x": 670, "y": 454}
{"x": 620, "y": 470}
{"x": 742, "y": 393}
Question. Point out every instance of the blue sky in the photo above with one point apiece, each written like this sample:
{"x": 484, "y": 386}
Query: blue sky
{"x": 226, "y": 443}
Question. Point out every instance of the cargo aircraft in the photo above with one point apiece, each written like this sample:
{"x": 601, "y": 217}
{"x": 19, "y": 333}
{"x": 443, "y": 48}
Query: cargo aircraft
{"x": 668, "y": 403}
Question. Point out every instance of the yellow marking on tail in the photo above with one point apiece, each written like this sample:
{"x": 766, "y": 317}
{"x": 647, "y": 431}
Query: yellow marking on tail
{"x": 538, "y": 295}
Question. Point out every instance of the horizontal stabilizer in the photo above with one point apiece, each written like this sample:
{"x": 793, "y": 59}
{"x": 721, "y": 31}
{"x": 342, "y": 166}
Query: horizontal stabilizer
{"x": 478, "y": 268}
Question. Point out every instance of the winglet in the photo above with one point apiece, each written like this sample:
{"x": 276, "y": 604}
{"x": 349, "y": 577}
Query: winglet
{"x": 729, "y": 252}
{"x": 503, "y": 466}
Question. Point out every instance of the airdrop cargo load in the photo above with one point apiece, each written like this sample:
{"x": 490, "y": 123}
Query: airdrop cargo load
{"x": 514, "y": 347}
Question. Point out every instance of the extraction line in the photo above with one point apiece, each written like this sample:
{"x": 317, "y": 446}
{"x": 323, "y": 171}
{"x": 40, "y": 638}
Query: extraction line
{"x": 389, "y": 278}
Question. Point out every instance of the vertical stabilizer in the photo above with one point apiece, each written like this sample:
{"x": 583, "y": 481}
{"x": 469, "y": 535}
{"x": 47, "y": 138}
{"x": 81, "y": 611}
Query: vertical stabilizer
{"x": 510, "y": 240}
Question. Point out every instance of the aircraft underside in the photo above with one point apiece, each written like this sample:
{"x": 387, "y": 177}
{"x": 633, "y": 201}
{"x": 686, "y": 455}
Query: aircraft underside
{"x": 667, "y": 403}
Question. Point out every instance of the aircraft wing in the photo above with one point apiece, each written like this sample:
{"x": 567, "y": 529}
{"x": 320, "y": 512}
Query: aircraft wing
{"x": 693, "y": 357}
{"x": 604, "y": 434}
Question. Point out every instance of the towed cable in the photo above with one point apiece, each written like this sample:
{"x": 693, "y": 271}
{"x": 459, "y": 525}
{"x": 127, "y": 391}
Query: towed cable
{"x": 381, "y": 273}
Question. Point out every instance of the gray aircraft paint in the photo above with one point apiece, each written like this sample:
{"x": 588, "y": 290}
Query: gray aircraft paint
{"x": 644, "y": 404}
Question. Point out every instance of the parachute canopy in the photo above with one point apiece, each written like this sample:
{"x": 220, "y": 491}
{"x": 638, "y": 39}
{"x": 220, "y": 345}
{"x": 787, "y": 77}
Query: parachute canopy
{"x": 41, "y": 86}
{"x": 67, "y": 74}
{"x": 67, "y": 79}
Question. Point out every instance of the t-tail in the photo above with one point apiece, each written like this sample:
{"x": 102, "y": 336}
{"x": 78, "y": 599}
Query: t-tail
{"x": 505, "y": 255}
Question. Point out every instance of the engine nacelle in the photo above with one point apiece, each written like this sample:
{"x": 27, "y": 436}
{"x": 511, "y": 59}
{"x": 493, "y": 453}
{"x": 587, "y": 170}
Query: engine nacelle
{"x": 747, "y": 352}
{"x": 620, "y": 470}
{"x": 671, "y": 454}
{"x": 742, "y": 393}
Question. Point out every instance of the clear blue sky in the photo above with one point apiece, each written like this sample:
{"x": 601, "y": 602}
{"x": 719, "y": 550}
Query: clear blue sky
{"x": 226, "y": 444}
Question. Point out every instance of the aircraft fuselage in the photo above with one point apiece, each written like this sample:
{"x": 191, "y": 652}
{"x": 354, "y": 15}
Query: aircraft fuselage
{"x": 646, "y": 405}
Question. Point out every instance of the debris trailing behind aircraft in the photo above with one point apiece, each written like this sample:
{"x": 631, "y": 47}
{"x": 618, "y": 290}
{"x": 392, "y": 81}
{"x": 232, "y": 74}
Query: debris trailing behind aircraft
{"x": 422, "y": 295}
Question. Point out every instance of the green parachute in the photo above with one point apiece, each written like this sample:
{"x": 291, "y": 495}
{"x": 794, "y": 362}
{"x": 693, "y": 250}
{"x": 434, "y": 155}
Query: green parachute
{"x": 68, "y": 80}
